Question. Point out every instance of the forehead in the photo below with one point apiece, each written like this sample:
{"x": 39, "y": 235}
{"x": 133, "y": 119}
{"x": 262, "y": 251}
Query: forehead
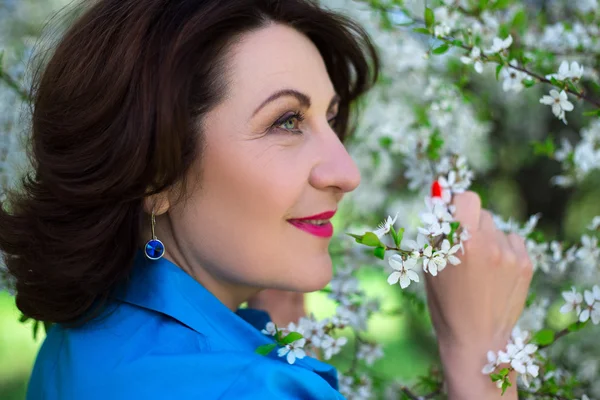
{"x": 277, "y": 57}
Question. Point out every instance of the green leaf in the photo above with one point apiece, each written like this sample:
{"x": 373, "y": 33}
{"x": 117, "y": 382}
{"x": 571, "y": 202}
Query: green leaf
{"x": 435, "y": 145}
{"x": 543, "y": 337}
{"x": 556, "y": 82}
{"x": 393, "y": 233}
{"x": 399, "y": 236}
{"x": 385, "y": 142}
{"x": 370, "y": 239}
{"x": 429, "y": 17}
{"x": 457, "y": 42}
{"x": 537, "y": 236}
{"x": 500, "y": 4}
{"x": 441, "y": 50}
{"x": 379, "y": 252}
{"x": 593, "y": 113}
{"x": 483, "y": 4}
{"x": 36, "y": 325}
{"x": 385, "y": 20}
{"x": 519, "y": 21}
{"x": 498, "y": 69}
{"x": 576, "y": 326}
{"x": 358, "y": 238}
{"x": 265, "y": 349}
{"x": 572, "y": 86}
{"x": 530, "y": 299}
{"x": 291, "y": 337}
{"x": 528, "y": 83}
{"x": 422, "y": 30}
{"x": 545, "y": 148}
{"x": 503, "y": 372}
{"x": 495, "y": 377}
{"x": 505, "y": 385}
{"x": 453, "y": 227}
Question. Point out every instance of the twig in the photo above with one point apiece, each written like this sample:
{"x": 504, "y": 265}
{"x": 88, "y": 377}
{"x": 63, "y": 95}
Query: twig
{"x": 11, "y": 82}
{"x": 531, "y": 74}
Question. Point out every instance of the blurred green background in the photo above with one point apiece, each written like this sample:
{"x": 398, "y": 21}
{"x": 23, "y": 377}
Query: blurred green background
{"x": 17, "y": 350}
{"x": 516, "y": 186}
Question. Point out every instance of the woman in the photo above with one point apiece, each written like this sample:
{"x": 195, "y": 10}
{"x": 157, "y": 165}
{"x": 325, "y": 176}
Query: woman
{"x": 187, "y": 158}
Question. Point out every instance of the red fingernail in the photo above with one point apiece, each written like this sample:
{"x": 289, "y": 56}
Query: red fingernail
{"x": 436, "y": 189}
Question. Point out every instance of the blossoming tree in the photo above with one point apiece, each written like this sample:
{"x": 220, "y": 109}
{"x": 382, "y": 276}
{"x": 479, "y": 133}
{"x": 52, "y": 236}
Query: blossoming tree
{"x": 427, "y": 131}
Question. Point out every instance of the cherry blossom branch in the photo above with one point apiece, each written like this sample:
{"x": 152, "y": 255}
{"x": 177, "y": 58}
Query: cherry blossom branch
{"x": 581, "y": 95}
{"x": 449, "y": 41}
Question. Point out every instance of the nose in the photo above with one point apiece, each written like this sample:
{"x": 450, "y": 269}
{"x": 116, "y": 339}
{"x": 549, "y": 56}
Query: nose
{"x": 334, "y": 167}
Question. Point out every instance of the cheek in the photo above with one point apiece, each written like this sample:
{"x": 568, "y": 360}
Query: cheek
{"x": 236, "y": 221}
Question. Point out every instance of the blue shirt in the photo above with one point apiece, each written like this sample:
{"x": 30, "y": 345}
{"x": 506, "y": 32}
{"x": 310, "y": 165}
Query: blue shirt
{"x": 170, "y": 338}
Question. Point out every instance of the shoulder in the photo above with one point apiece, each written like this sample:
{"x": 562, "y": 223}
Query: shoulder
{"x": 135, "y": 354}
{"x": 72, "y": 360}
{"x": 216, "y": 375}
{"x": 264, "y": 377}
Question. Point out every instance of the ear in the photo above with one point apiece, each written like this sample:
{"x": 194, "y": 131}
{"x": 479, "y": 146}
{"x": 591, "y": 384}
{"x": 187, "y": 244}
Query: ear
{"x": 159, "y": 203}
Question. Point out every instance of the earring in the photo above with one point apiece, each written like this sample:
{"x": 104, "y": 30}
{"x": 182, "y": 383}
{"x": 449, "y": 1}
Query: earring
{"x": 154, "y": 249}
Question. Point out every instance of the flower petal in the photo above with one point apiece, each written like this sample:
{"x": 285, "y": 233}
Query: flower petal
{"x": 394, "y": 277}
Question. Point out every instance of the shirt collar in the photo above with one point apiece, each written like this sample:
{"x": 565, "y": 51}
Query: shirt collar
{"x": 162, "y": 286}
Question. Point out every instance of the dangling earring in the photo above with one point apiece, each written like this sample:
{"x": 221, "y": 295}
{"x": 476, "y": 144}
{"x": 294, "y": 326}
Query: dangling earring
{"x": 154, "y": 249}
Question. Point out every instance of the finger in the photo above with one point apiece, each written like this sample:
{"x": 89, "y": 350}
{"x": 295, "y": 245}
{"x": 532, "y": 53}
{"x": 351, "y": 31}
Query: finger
{"x": 468, "y": 209}
{"x": 486, "y": 222}
{"x": 520, "y": 248}
{"x": 508, "y": 256}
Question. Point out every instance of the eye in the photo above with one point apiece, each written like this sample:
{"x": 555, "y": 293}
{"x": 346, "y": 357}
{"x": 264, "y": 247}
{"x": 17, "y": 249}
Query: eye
{"x": 290, "y": 122}
{"x": 333, "y": 121}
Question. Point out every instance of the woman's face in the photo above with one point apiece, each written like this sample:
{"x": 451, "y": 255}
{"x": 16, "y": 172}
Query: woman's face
{"x": 263, "y": 166}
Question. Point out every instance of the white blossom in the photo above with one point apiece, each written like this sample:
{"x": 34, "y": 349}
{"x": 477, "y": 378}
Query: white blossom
{"x": 519, "y": 354}
{"x": 333, "y": 346}
{"x": 270, "y": 329}
{"x": 441, "y": 30}
{"x": 559, "y": 102}
{"x": 588, "y": 253}
{"x": 499, "y": 45}
{"x": 433, "y": 261}
{"x": 369, "y": 352}
{"x": 437, "y": 218}
{"x": 512, "y": 79}
{"x": 595, "y": 223}
{"x": 573, "y": 301}
{"x": 474, "y": 58}
{"x": 492, "y": 363}
{"x": 592, "y": 310}
{"x": 449, "y": 251}
{"x": 293, "y": 351}
{"x": 403, "y": 271}
{"x": 574, "y": 72}
{"x": 385, "y": 226}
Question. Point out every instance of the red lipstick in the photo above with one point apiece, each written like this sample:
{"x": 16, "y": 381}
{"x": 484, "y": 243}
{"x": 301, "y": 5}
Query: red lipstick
{"x": 318, "y": 225}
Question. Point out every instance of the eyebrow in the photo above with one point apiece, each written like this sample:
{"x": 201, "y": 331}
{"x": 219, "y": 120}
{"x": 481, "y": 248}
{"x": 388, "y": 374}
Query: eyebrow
{"x": 304, "y": 99}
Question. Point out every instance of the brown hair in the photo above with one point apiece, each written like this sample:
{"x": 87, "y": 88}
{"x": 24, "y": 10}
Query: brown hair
{"x": 113, "y": 114}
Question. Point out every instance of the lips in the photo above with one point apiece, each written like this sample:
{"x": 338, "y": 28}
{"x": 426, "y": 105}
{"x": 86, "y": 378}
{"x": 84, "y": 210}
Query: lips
{"x": 318, "y": 225}
{"x": 324, "y": 215}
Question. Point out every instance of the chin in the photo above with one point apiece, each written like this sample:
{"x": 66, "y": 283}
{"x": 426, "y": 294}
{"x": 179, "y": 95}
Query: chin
{"x": 314, "y": 278}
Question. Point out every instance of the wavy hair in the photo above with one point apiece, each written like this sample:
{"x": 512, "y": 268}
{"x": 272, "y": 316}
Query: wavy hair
{"x": 115, "y": 113}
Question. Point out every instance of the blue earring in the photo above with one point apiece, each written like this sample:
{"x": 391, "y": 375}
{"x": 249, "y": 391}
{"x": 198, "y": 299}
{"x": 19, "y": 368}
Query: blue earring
{"x": 154, "y": 249}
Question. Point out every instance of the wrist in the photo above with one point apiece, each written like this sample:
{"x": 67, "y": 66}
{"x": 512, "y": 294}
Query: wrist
{"x": 464, "y": 379}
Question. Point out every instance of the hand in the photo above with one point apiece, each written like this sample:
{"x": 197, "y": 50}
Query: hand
{"x": 475, "y": 305}
{"x": 283, "y": 306}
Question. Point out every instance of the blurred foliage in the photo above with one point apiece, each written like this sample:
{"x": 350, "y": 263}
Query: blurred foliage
{"x": 516, "y": 186}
